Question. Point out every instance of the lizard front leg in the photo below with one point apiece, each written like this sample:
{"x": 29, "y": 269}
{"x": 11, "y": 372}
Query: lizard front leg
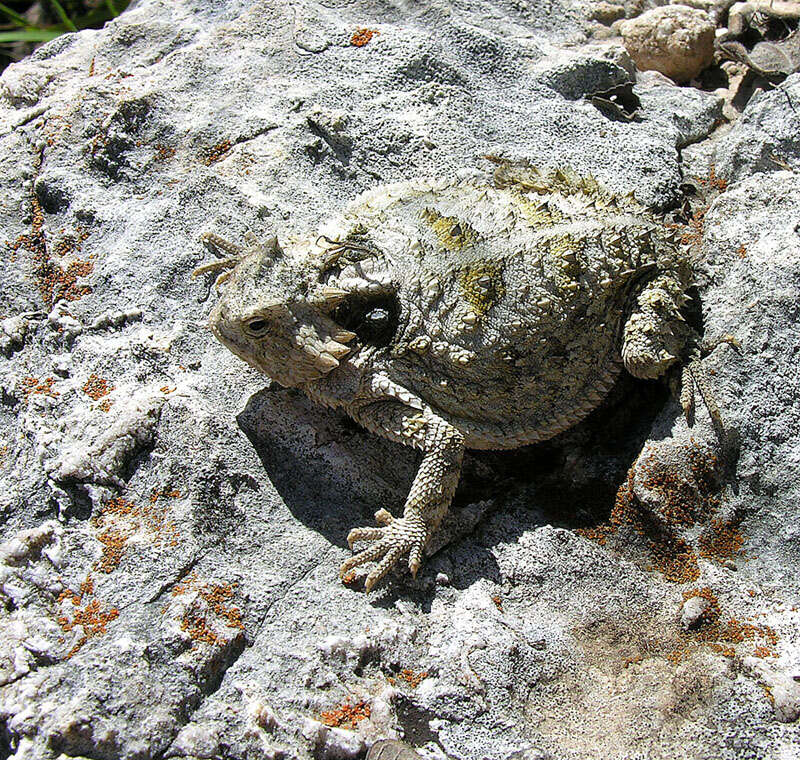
{"x": 431, "y": 492}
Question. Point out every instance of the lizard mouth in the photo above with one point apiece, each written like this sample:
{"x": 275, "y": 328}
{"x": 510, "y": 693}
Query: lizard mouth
{"x": 292, "y": 344}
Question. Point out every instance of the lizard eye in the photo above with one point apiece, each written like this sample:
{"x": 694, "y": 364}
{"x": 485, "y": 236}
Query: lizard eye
{"x": 256, "y": 327}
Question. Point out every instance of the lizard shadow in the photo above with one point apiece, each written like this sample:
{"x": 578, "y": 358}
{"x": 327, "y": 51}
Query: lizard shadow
{"x": 332, "y": 475}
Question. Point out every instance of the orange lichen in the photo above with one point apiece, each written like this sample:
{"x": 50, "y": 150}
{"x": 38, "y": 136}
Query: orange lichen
{"x": 762, "y": 650}
{"x": 55, "y": 281}
{"x": 155, "y": 495}
{"x": 114, "y": 535}
{"x": 211, "y": 155}
{"x": 723, "y": 635}
{"x": 96, "y": 387}
{"x": 498, "y": 602}
{"x": 164, "y": 152}
{"x": 115, "y": 506}
{"x": 346, "y": 715}
{"x": 722, "y": 541}
{"x": 684, "y": 502}
{"x": 215, "y": 596}
{"x": 156, "y": 517}
{"x": 692, "y": 231}
{"x": 713, "y": 181}
{"x": 411, "y": 678}
{"x": 70, "y": 243}
{"x": 362, "y": 36}
{"x": 31, "y": 386}
{"x": 120, "y": 518}
{"x": 597, "y": 533}
{"x": 673, "y": 557}
{"x": 92, "y": 619}
{"x": 113, "y": 542}
{"x": 195, "y": 624}
{"x": 104, "y": 406}
{"x": 349, "y": 578}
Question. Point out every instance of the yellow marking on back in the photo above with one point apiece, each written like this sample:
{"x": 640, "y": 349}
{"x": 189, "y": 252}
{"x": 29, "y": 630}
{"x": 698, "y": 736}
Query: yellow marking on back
{"x": 538, "y": 214}
{"x": 454, "y": 234}
{"x": 481, "y": 286}
{"x": 564, "y": 247}
{"x": 525, "y": 179}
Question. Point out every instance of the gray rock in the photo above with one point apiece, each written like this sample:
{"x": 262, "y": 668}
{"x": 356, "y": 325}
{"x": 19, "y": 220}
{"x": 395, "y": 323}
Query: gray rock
{"x": 605, "y": 12}
{"x": 786, "y": 696}
{"x": 577, "y": 76}
{"x": 751, "y": 38}
{"x": 766, "y": 138}
{"x": 172, "y": 523}
{"x": 691, "y": 114}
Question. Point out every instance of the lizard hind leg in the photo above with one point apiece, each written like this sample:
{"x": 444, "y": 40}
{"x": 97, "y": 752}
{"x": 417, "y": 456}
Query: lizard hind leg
{"x": 695, "y": 378}
{"x": 656, "y": 337}
{"x": 656, "y": 334}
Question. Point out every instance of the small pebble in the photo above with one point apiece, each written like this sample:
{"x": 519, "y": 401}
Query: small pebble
{"x": 786, "y": 701}
{"x": 692, "y": 612}
{"x": 674, "y": 40}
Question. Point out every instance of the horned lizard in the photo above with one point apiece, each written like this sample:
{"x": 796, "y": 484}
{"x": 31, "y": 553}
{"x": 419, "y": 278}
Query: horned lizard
{"x": 458, "y": 314}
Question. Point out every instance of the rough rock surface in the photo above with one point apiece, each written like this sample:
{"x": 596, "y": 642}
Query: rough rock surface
{"x": 766, "y": 138}
{"x": 676, "y": 40}
{"x": 172, "y": 526}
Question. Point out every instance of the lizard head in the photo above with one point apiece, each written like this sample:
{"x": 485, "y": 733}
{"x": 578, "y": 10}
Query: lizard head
{"x": 286, "y": 315}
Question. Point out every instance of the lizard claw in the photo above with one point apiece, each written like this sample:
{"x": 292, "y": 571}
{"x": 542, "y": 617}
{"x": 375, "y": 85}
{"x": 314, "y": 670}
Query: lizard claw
{"x": 398, "y": 537}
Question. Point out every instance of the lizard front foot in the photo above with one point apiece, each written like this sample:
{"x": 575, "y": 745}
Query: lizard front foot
{"x": 399, "y": 536}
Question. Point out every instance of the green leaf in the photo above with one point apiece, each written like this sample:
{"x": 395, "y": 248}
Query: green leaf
{"x": 97, "y": 17}
{"x": 62, "y": 14}
{"x": 30, "y": 35}
{"x": 112, "y": 9}
{"x": 16, "y": 18}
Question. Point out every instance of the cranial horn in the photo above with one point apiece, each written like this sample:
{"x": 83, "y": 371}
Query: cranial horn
{"x": 269, "y": 247}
